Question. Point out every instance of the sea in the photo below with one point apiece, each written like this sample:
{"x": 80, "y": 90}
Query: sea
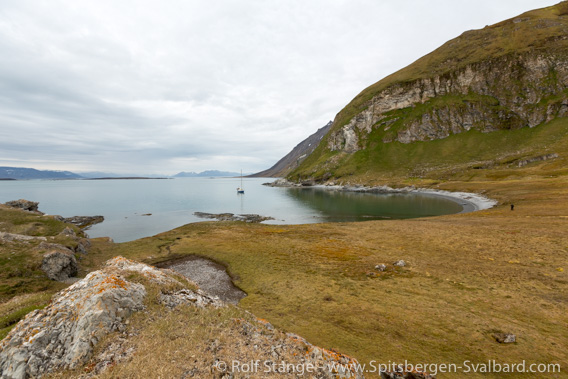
{"x": 137, "y": 208}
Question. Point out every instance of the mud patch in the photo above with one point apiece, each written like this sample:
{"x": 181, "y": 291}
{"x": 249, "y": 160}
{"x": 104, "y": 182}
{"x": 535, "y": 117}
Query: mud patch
{"x": 210, "y": 276}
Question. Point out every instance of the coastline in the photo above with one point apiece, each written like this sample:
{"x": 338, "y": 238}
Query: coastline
{"x": 469, "y": 201}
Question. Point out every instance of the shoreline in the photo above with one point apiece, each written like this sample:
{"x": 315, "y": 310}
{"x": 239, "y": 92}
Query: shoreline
{"x": 469, "y": 201}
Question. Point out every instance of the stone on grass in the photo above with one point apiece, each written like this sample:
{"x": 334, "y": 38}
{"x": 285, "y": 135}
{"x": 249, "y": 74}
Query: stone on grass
{"x": 399, "y": 263}
{"x": 59, "y": 265}
{"x": 505, "y": 337}
{"x": 381, "y": 267}
{"x": 24, "y": 204}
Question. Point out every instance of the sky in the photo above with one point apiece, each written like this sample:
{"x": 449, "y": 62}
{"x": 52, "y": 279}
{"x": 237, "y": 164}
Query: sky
{"x": 159, "y": 87}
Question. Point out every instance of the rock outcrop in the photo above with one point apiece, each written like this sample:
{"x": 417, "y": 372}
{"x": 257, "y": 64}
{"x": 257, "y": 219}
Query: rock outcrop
{"x": 30, "y": 206}
{"x": 233, "y": 217}
{"x": 9, "y": 237}
{"x": 83, "y": 222}
{"x": 509, "y": 92}
{"x": 63, "y": 335}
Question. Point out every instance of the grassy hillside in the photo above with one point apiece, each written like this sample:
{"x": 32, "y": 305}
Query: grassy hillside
{"x": 502, "y": 105}
{"x": 540, "y": 30}
{"x": 460, "y": 156}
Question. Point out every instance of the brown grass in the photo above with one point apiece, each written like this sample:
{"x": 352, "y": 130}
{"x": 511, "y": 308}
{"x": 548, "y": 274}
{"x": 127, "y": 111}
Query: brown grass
{"x": 469, "y": 276}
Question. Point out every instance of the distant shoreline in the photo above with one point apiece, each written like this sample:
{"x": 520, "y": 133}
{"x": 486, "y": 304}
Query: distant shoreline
{"x": 104, "y": 178}
{"x": 125, "y": 178}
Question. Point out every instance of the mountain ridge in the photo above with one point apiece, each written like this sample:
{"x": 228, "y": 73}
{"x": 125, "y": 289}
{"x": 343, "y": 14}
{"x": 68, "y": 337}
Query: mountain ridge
{"x": 296, "y": 155}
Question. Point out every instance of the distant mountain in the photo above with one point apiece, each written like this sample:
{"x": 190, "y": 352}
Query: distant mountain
{"x": 296, "y": 156}
{"x": 32, "y": 173}
{"x": 101, "y": 174}
{"x": 207, "y": 173}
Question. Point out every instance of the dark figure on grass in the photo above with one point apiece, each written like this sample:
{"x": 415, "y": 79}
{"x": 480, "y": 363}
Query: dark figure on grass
{"x": 512, "y": 207}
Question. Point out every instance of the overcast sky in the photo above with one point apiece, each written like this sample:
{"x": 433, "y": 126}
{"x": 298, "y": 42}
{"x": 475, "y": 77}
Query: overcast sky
{"x": 167, "y": 86}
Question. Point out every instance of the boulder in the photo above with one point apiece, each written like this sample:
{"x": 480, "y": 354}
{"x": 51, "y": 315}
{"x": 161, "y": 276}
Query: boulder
{"x": 59, "y": 265}
{"x": 24, "y": 204}
{"x": 381, "y": 267}
{"x": 83, "y": 246}
{"x": 399, "y": 263}
{"x": 505, "y": 337}
{"x": 69, "y": 232}
{"x": 9, "y": 237}
{"x": 62, "y": 335}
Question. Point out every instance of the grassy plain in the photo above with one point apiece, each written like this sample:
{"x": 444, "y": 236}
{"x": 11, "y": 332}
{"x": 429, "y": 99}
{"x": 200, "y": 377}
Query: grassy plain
{"x": 468, "y": 276}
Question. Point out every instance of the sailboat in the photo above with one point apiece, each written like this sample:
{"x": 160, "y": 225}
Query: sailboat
{"x": 241, "y": 189}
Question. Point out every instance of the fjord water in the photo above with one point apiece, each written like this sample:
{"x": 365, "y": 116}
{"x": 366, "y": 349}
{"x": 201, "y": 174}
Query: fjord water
{"x": 141, "y": 208}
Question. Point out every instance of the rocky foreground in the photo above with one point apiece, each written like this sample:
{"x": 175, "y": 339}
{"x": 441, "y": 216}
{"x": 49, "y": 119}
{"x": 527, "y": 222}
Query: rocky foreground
{"x": 64, "y": 335}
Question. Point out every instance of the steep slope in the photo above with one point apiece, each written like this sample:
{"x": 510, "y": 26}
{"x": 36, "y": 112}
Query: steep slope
{"x": 296, "y": 156}
{"x": 496, "y": 86}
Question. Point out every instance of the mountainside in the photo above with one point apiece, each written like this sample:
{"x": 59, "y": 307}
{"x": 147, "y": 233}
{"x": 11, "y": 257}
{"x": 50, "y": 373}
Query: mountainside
{"x": 31, "y": 173}
{"x": 482, "y": 99}
{"x": 296, "y": 156}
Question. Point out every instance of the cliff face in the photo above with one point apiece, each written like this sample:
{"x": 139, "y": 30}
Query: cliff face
{"x": 293, "y": 159}
{"x": 505, "y": 77}
{"x": 510, "y": 92}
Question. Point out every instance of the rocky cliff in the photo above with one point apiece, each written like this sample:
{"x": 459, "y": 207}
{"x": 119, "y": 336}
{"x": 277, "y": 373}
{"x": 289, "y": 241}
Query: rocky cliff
{"x": 505, "y": 77}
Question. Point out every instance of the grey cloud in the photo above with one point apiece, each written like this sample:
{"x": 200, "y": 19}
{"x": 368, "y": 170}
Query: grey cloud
{"x": 190, "y": 85}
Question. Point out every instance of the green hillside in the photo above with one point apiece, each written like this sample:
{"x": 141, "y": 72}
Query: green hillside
{"x": 487, "y": 86}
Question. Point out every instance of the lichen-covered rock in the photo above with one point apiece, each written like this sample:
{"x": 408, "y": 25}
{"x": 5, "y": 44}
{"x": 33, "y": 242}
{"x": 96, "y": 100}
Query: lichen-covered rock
{"x": 59, "y": 265}
{"x": 63, "y": 334}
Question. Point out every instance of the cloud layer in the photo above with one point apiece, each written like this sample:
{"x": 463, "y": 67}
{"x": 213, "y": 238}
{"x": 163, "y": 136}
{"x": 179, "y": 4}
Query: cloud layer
{"x": 162, "y": 87}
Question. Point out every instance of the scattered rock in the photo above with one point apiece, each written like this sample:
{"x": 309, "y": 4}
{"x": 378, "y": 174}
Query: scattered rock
{"x": 233, "y": 217}
{"x": 68, "y": 232}
{"x": 399, "y": 263}
{"x": 184, "y": 296}
{"x": 83, "y": 246}
{"x": 30, "y": 206}
{"x": 84, "y": 222}
{"x": 59, "y": 265}
{"x": 381, "y": 267}
{"x": 505, "y": 337}
{"x": 282, "y": 182}
{"x": 546, "y": 157}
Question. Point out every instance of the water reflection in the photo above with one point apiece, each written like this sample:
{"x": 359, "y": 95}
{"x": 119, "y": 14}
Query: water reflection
{"x": 338, "y": 206}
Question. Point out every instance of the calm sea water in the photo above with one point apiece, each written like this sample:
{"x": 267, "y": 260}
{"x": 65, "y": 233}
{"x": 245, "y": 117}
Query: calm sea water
{"x": 171, "y": 203}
